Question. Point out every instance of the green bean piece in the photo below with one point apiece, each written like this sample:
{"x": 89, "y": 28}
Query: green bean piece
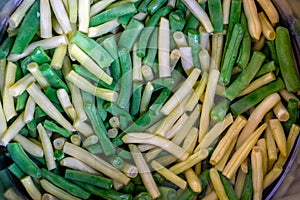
{"x": 59, "y": 154}
{"x": 147, "y": 31}
{"x": 129, "y": 188}
{"x": 117, "y": 162}
{"x": 87, "y": 74}
{"x": 88, "y": 98}
{"x": 6, "y": 46}
{"x": 234, "y": 18}
{"x": 161, "y": 83}
{"x": 167, "y": 193}
{"x": 216, "y": 15}
{"x": 192, "y": 23}
{"x": 248, "y": 186}
{"x": 24, "y": 64}
{"x": 52, "y": 95}
{"x": 194, "y": 43}
{"x": 136, "y": 98}
{"x": 271, "y": 47}
{"x": 256, "y": 96}
{"x": 51, "y": 126}
{"x": 39, "y": 56}
{"x": 292, "y": 108}
{"x": 65, "y": 184}
{"x": 218, "y": 113}
{"x": 100, "y": 108}
{"x": 125, "y": 154}
{"x": 160, "y": 100}
{"x": 95, "y": 149}
{"x": 141, "y": 124}
{"x": 53, "y": 79}
{"x": 99, "y": 129}
{"x": 266, "y": 68}
{"x": 143, "y": 6}
{"x": 22, "y": 160}
{"x": 28, "y": 29}
{"x": 5, "y": 179}
{"x": 143, "y": 196}
{"x": 152, "y": 50}
{"x": 155, "y": 5}
{"x": 187, "y": 194}
{"x": 286, "y": 61}
{"x": 21, "y": 101}
{"x": 105, "y": 194}
{"x": 111, "y": 47}
{"x": 24, "y": 131}
{"x": 126, "y": 81}
{"x": 112, "y": 13}
{"x": 92, "y": 49}
{"x": 117, "y": 111}
{"x": 130, "y": 34}
{"x": 246, "y": 76}
{"x": 32, "y": 130}
{"x": 88, "y": 178}
{"x": 158, "y": 178}
{"x": 177, "y": 20}
{"x": 180, "y": 6}
{"x": 14, "y": 169}
{"x": 231, "y": 54}
{"x": 124, "y": 20}
{"x": 228, "y": 187}
{"x": 39, "y": 113}
{"x": 245, "y": 49}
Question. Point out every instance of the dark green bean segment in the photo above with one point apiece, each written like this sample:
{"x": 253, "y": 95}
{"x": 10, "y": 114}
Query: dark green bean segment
{"x": 105, "y": 194}
{"x": 161, "y": 83}
{"x": 88, "y": 178}
{"x": 5, "y": 47}
{"x": 286, "y": 61}
{"x": 124, "y": 20}
{"x": 52, "y": 95}
{"x": 52, "y": 77}
{"x": 187, "y": 194}
{"x": 39, "y": 56}
{"x": 271, "y": 47}
{"x": 126, "y": 81}
{"x": 21, "y": 101}
{"x": 234, "y": 18}
{"x": 130, "y": 34}
{"x": 248, "y": 186}
{"x": 292, "y": 108}
{"x": 51, "y": 126}
{"x": 32, "y": 130}
{"x": 245, "y": 50}
{"x": 266, "y": 68}
{"x": 112, "y": 13}
{"x": 93, "y": 49}
{"x": 245, "y": 77}
{"x": 194, "y": 43}
{"x": 177, "y": 20}
{"x": 218, "y": 113}
{"x": 28, "y": 29}
{"x": 255, "y": 97}
{"x": 111, "y": 47}
{"x": 13, "y": 168}
{"x": 59, "y": 154}
{"x": 95, "y": 149}
{"x": 136, "y": 98}
{"x": 155, "y": 5}
{"x": 99, "y": 129}
{"x": 143, "y": 6}
{"x": 117, "y": 111}
{"x": 146, "y": 32}
{"x": 22, "y": 160}
{"x": 100, "y": 103}
{"x": 231, "y": 54}
{"x": 129, "y": 188}
{"x": 65, "y": 184}
{"x": 152, "y": 50}
{"x": 125, "y": 154}
{"x": 216, "y": 14}
{"x": 87, "y": 74}
{"x": 143, "y": 196}
{"x": 228, "y": 187}
{"x": 167, "y": 193}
